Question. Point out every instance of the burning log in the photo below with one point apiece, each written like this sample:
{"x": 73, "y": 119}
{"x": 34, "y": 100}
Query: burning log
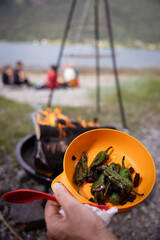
{"x": 56, "y": 132}
{"x": 49, "y": 156}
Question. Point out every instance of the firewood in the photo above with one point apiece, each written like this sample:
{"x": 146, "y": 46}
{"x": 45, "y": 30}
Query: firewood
{"x": 54, "y": 132}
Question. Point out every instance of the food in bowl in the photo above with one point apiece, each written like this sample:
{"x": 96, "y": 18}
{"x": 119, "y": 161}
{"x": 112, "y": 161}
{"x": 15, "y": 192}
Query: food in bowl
{"x": 111, "y": 182}
{"x": 94, "y": 141}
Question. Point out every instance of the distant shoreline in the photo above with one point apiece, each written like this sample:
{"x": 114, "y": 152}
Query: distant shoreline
{"x": 102, "y": 44}
{"x": 103, "y": 71}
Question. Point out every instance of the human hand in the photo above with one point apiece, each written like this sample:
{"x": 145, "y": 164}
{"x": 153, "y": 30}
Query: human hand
{"x": 80, "y": 223}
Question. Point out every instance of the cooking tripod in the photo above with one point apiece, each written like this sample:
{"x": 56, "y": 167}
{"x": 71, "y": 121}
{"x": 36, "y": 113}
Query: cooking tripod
{"x": 97, "y": 65}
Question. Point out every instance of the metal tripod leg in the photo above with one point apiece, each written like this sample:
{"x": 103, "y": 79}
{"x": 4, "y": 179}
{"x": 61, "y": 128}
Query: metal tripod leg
{"x": 96, "y": 22}
{"x": 68, "y": 23}
{"x": 109, "y": 27}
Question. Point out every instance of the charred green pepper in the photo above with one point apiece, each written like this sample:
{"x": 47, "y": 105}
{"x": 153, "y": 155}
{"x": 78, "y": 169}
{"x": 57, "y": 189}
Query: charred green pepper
{"x": 81, "y": 170}
{"x": 115, "y": 167}
{"x": 120, "y": 181}
{"x": 124, "y": 172}
{"x": 115, "y": 198}
{"x": 98, "y": 188}
{"x": 108, "y": 184}
{"x": 100, "y": 158}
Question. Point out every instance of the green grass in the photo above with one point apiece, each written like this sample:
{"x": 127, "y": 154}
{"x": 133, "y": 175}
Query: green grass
{"x": 15, "y": 123}
{"x": 141, "y": 100}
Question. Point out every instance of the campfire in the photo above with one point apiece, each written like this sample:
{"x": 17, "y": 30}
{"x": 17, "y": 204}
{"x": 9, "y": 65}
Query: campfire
{"x": 41, "y": 153}
{"x": 55, "y": 124}
{"x": 54, "y": 132}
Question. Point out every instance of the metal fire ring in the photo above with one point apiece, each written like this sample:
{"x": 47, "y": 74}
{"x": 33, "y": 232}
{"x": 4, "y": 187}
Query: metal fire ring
{"x": 24, "y": 152}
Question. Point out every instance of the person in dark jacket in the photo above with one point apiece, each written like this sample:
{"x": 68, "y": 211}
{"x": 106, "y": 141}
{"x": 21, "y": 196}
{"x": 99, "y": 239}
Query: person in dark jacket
{"x": 20, "y": 76}
{"x": 7, "y": 76}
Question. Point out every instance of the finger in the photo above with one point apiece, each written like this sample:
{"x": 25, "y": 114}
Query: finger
{"x": 53, "y": 219}
{"x": 51, "y": 210}
{"x": 64, "y": 198}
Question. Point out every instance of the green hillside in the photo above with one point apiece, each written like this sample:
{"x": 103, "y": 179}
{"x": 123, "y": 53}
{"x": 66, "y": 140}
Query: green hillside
{"x": 27, "y": 20}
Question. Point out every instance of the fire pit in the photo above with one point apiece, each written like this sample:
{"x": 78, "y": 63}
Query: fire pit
{"x": 41, "y": 154}
{"x": 54, "y": 149}
{"x": 25, "y": 152}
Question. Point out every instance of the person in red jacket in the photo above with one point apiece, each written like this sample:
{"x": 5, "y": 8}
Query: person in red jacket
{"x": 51, "y": 79}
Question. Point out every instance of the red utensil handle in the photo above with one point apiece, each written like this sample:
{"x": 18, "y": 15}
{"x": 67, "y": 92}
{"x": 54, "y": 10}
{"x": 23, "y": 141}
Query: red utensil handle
{"x": 27, "y": 195}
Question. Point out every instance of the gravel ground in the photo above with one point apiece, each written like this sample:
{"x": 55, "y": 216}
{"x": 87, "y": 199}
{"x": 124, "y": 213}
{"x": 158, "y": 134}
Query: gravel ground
{"x": 143, "y": 221}
{"x": 140, "y": 223}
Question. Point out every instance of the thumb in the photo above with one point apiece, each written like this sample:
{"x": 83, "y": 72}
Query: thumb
{"x": 64, "y": 198}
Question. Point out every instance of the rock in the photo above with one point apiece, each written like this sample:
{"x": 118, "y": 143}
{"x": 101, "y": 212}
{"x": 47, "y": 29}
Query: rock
{"x": 21, "y": 175}
{"x": 28, "y": 216}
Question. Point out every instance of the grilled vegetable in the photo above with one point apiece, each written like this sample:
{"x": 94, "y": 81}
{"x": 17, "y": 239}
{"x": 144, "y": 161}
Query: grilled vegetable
{"x": 115, "y": 167}
{"x": 98, "y": 188}
{"x": 100, "y": 158}
{"x": 124, "y": 172}
{"x": 115, "y": 198}
{"x": 120, "y": 181}
{"x": 81, "y": 170}
{"x": 136, "y": 180}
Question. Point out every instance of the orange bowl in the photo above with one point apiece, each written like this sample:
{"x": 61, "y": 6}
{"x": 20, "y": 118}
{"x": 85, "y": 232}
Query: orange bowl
{"x": 94, "y": 141}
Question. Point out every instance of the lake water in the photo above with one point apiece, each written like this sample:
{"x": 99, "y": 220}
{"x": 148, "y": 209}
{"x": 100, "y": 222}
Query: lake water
{"x": 40, "y": 57}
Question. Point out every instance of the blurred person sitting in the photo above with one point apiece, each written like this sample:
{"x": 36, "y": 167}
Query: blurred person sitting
{"x": 70, "y": 75}
{"x": 61, "y": 80}
{"x": 51, "y": 79}
{"x": 20, "y": 76}
{"x": 7, "y": 76}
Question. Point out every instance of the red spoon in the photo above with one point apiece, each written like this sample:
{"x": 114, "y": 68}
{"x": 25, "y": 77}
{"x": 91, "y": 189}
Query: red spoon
{"x": 26, "y": 195}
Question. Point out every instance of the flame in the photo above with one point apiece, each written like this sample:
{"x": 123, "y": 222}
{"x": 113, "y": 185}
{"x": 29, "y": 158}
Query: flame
{"x": 55, "y": 118}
